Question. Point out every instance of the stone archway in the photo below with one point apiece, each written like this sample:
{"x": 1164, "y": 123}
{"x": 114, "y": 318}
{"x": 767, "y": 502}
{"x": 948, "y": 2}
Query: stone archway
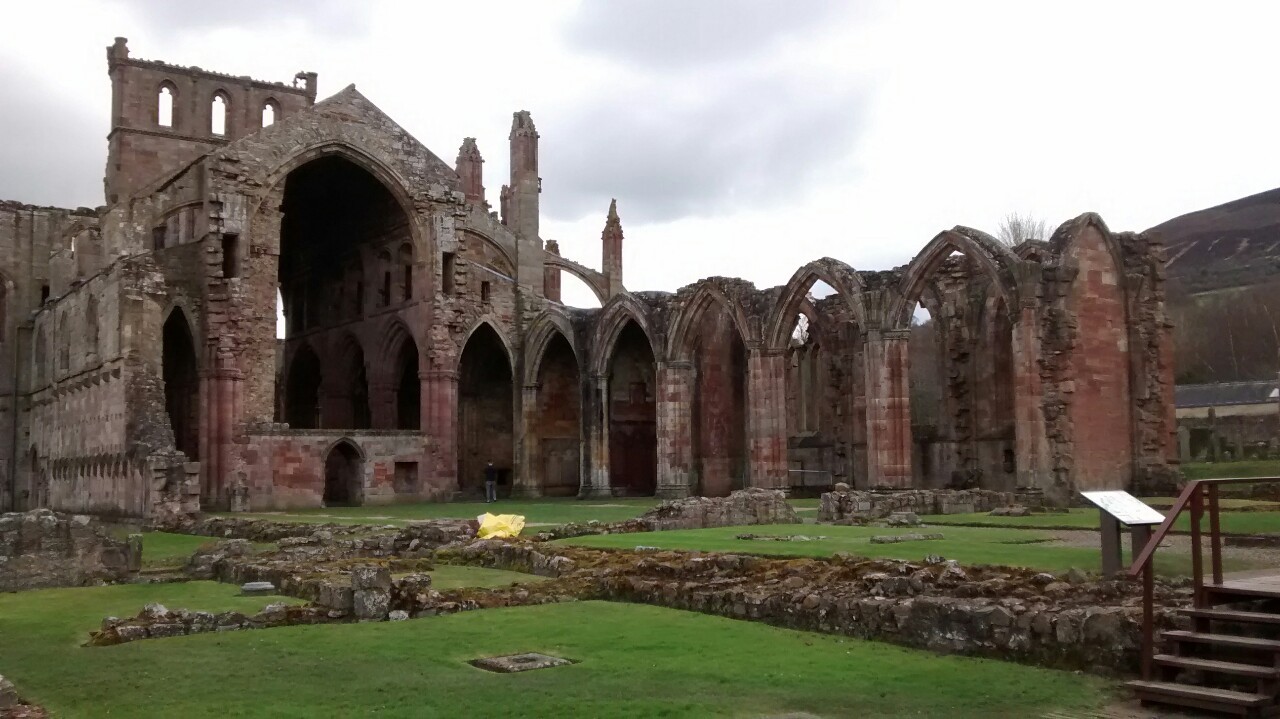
{"x": 180, "y": 371}
{"x": 486, "y": 417}
{"x": 302, "y": 390}
{"x": 558, "y": 420}
{"x": 343, "y": 476}
{"x": 632, "y": 414}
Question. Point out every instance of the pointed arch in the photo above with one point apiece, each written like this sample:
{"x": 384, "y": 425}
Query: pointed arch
{"x": 491, "y": 323}
{"x": 996, "y": 261}
{"x": 166, "y": 104}
{"x": 343, "y": 474}
{"x": 609, "y": 324}
{"x": 180, "y": 371}
{"x": 220, "y": 113}
{"x": 684, "y": 329}
{"x": 841, "y": 277}
{"x": 302, "y": 388}
{"x": 542, "y": 331}
{"x": 486, "y": 408}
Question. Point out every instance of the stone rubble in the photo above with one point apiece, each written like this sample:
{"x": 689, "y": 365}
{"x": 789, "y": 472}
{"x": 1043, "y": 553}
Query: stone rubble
{"x": 40, "y": 549}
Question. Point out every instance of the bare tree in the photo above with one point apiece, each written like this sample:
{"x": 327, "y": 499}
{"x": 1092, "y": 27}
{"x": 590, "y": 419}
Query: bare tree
{"x": 1017, "y": 228}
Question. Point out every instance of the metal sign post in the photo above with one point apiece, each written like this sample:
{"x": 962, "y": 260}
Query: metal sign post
{"x": 1117, "y": 507}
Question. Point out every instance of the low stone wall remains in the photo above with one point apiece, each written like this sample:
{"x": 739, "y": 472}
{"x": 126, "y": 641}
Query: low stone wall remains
{"x": 40, "y": 549}
{"x": 862, "y": 505}
{"x": 744, "y": 506}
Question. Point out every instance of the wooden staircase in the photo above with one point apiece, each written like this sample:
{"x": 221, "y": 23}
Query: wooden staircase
{"x": 1229, "y": 661}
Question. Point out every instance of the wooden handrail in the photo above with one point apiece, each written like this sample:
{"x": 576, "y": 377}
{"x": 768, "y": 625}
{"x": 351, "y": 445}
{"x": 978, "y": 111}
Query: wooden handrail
{"x": 1142, "y": 564}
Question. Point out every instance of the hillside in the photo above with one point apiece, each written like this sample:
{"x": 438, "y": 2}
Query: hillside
{"x": 1235, "y": 244}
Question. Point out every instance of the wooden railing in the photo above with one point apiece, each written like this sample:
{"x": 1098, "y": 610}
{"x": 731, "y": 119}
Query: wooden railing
{"x": 1196, "y": 494}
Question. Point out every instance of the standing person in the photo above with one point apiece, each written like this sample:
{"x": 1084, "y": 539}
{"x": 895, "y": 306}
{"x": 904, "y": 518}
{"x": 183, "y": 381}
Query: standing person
{"x": 490, "y": 483}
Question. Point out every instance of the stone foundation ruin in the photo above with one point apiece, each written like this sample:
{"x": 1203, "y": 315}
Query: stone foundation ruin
{"x": 41, "y": 549}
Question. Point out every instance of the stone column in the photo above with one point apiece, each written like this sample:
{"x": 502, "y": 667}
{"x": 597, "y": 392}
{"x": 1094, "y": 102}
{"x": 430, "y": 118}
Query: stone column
{"x": 595, "y": 478}
{"x": 528, "y": 480}
{"x": 675, "y": 431}
{"x": 767, "y": 418}
{"x": 888, "y": 408}
{"x": 1031, "y": 442}
{"x": 440, "y": 429}
{"x": 220, "y": 393}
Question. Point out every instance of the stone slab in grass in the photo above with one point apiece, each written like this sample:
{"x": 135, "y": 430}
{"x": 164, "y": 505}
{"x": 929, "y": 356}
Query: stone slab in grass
{"x": 512, "y": 663}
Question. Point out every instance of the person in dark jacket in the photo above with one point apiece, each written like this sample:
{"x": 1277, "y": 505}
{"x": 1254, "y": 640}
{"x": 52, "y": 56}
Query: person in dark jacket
{"x": 490, "y": 483}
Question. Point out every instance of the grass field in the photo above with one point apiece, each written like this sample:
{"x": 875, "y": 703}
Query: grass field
{"x": 967, "y": 545}
{"x": 1232, "y": 522}
{"x": 634, "y": 661}
{"x": 1217, "y": 470}
{"x": 537, "y": 511}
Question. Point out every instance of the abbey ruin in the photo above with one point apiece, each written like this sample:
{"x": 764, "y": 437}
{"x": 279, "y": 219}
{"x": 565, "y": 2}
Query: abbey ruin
{"x": 141, "y": 373}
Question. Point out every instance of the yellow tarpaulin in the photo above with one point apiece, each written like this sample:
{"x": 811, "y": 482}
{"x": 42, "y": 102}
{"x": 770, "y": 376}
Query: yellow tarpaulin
{"x": 499, "y": 526}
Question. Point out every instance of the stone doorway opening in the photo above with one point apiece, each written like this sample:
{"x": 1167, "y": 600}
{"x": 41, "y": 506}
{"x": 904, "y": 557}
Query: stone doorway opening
{"x": 486, "y": 412}
{"x": 559, "y": 420}
{"x": 180, "y": 371}
{"x": 343, "y": 476}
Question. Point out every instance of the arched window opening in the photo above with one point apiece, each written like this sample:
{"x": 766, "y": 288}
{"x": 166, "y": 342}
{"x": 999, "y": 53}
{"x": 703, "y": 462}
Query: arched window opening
{"x": 91, "y": 327}
{"x": 486, "y": 420}
{"x": 164, "y": 106}
{"x": 406, "y": 264}
{"x": 181, "y": 384}
{"x": 218, "y": 115}
{"x": 269, "y": 114}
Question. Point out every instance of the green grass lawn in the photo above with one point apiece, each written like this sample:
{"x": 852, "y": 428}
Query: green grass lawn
{"x": 162, "y": 550}
{"x": 540, "y": 511}
{"x": 446, "y": 576}
{"x": 1231, "y": 522}
{"x": 634, "y": 661}
{"x": 967, "y": 545}
{"x": 1218, "y": 470}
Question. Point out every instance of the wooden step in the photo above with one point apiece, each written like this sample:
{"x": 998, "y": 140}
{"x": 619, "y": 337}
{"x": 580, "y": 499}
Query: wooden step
{"x": 1244, "y": 588}
{"x": 1223, "y": 700}
{"x": 1233, "y": 615}
{"x": 1224, "y": 640}
{"x": 1213, "y": 665}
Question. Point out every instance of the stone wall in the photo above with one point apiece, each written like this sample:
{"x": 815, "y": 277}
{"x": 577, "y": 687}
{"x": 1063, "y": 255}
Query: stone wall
{"x": 745, "y": 506}
{"x": 40, "y": 549}
{"x": 864, "y": 505}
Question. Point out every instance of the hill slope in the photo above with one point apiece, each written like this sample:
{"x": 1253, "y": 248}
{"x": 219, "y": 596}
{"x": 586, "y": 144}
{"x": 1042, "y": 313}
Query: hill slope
{"x": 1235, "y": 244}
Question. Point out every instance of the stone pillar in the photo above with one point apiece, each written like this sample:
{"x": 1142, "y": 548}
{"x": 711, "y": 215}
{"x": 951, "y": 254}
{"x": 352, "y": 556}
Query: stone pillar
{"x": 220, "y": 392}
{"x": 595, "y": 477}
{"x": 440, "y": 429}
{"x": 767, "y": 418}
{"x": 888, "y": 408}
{"x": 1184, "y": 444}
{"x": 1031, "y": 442}
{"x": 675, "y": 429}
{"x": 528, "y": 480}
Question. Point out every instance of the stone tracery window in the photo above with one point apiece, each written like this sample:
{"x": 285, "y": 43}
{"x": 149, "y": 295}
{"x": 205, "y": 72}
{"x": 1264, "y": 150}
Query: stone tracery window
{"x": 218, "y": 114}
{"x": 165, "y": 104}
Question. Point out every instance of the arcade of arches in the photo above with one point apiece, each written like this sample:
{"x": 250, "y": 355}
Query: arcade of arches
{"x": 424, "y": 336}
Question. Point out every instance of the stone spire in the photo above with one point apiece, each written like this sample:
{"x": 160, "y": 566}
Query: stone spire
{"x": 611, "y": 239}
{"x": 470, "y": 168}
{"x": 521, "y": 196}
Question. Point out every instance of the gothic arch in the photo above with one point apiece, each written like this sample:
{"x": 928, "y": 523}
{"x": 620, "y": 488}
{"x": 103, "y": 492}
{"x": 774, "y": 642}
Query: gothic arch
{"x": 1068, "y": 233}
{"x": 613, "y": 318}
{"x": 541, "y": 332}
{"x": 393, "y": 181}
{"x": 842, "y": 278}
{"x": 502, "y": 337}
{"x": 998, "y": 262}
{"x": 684, "y": 329}
{"x": 394, "y": 335}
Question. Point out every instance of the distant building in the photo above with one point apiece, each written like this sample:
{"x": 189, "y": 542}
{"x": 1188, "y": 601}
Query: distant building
{"x": 1240, "y": 418}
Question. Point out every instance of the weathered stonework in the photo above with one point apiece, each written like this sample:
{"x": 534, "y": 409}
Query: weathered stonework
{"x": 864, "y": 505}
{"x": 425, "y": 338}
{"x": 40, "y": 549}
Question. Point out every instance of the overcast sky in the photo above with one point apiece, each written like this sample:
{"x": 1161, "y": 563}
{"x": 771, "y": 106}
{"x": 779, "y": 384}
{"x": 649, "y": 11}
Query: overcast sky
{"x": 740, "y": 137}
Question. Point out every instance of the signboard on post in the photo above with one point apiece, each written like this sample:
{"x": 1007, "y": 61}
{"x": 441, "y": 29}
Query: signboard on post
{"x": 1116, "y": 507}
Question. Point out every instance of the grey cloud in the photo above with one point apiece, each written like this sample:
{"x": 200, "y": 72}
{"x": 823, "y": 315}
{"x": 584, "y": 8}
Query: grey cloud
{"x": 673, "y": 34}
{"x": 55, "y": 149}
{"x": 325, "y": 17}
{"x": 757, "y": 140}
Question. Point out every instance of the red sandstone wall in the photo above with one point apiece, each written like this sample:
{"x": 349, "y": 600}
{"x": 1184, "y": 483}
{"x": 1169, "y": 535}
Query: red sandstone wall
{"x": 1099, "y": 394}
